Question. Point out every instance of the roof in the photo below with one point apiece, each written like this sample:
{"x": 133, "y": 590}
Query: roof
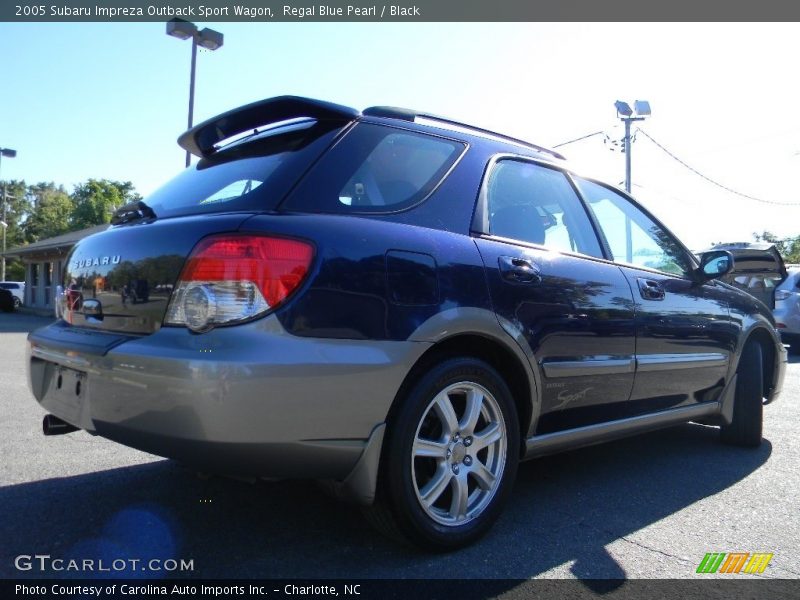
{"x": 414, "y": 116}
{"x": 65, "y": 241}
{"x": 202, "y": 140}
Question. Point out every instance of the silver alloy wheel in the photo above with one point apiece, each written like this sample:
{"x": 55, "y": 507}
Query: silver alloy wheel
{"x": 459, "y": 453}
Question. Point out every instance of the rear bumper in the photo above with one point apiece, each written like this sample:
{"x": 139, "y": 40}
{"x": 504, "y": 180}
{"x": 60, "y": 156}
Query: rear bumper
{"x": 249, "y": 400}
{"x": 792, "y": 339}
{"x": 788, "y": 317}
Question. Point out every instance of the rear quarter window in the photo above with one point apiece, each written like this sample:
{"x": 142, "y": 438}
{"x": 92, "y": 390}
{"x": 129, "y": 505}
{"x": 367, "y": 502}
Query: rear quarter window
{"x": 376, "y": 169}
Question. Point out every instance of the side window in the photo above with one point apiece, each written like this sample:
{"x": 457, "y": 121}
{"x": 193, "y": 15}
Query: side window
{"x": 376, "y": 169}
{"x": 397, "y": 168}
{"x": 536, "y": 204}
{"x": 633, "y": 236}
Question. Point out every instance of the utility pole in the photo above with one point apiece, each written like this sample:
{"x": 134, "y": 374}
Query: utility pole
{"x": 626, "y": 114}
{"x": 5, "y": 227}
{"x": 627, "y": 147}
{"x": 206, "y": 38}
{"x": 9, "y": 153}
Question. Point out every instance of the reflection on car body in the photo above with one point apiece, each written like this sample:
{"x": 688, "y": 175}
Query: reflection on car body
{"x": 401, "y": 306}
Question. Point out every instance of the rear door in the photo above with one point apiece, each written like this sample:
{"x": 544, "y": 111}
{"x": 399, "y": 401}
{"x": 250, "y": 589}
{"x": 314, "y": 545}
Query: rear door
{"x": 571, "y": 312}
{"x": 684, "y": 335}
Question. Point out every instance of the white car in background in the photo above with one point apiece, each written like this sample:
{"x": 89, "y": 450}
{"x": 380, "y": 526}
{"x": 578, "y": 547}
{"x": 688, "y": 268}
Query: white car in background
{"x": 17, "y": 289}
{"x": 787, "y": 309}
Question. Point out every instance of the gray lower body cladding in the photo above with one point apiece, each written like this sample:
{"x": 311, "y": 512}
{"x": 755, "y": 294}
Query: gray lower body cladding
{"x": 251, "y": 400}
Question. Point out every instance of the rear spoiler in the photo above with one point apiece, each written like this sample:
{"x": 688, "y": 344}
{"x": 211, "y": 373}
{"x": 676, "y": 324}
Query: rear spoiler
{"x": 201, "y": 139}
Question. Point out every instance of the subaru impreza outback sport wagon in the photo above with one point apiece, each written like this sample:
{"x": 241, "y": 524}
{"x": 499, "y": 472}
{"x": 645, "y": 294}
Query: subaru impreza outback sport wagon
{"x": 396, "y": 304}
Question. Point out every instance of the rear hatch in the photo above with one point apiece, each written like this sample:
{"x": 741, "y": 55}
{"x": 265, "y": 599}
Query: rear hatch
{"x": 758, "y": 269}
{"x": 121, "y": 280}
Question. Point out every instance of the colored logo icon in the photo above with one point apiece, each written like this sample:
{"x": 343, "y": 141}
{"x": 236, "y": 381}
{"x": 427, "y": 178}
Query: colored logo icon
{"x": 734, "y": 562}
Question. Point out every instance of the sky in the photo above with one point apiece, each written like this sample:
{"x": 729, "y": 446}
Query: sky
{"x": 109, "y": 100}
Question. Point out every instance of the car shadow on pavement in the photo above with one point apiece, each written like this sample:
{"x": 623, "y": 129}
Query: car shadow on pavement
{"x": 565, "y": 509}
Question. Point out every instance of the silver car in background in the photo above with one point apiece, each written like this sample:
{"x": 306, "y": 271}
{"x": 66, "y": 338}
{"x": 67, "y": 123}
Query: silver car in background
{"x": 787, "y": 309}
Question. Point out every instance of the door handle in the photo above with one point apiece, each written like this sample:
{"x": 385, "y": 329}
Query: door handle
{"x": 651, "y": 290}
{"x": 518, "y": 270}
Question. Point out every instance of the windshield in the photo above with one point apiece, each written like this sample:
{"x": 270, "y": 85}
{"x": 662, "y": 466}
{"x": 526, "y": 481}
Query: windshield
{"x": 252, "y": 174}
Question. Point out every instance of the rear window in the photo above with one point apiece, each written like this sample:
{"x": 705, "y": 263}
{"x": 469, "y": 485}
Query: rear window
{"x": 254, "y": 173}
{"x": 377, "y": 169}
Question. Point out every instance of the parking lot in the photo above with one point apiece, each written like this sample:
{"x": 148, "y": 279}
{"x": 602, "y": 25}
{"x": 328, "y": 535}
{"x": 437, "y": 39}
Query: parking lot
{"x": 647, "y": 507}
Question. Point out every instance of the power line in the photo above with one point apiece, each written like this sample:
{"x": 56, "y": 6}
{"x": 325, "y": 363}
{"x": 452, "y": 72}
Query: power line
{"x": 716, "y": 183}
{"x": 583, "y": 137}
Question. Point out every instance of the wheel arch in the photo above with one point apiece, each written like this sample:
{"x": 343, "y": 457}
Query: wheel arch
{"x": 762, "y": 337}
{"x": 491, "y": 351}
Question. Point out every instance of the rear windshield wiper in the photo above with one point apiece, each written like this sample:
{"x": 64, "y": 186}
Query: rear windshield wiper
{"x": 132, "y": 212}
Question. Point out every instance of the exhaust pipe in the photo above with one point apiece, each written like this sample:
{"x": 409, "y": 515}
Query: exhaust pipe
{"x": 52, "y": 425}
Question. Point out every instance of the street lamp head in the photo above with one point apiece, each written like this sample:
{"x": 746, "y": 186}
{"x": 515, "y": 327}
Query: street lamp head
{"x": 642, "y": 108}
{"x": 181, "y": 29}
{"x": 8, "y": 152}
{"x": 3, "y": 224}
{"x": 209, "y": 39}
{"x": 623, "y": 108}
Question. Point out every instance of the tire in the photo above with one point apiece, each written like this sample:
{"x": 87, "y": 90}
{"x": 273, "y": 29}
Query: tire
{"x": 447, "y": 472}
{"x": 748, "y": 405}
{"x": 17, "y": 303}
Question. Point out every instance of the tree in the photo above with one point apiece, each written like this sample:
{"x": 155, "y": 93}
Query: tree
{"x": 51, "y": 212}
{"x": 96, "y": 200}
{"x": 789, "y": 248}
{"x": 16, "y": 209}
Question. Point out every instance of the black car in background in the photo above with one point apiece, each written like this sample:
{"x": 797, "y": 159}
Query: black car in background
{"x": 397, "y": 304}
{"x": 16, "y": 289}
{"x": 7, "y": 303}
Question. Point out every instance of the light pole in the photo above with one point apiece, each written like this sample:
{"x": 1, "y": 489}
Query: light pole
{"x": 8, "y": 153}
{"x": 208, "y": 39}
{"x": 641, "y": 109}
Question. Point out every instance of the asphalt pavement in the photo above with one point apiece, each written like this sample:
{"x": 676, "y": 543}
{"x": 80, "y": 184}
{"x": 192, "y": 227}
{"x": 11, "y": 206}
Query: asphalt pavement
{"x": 650, "y": 506}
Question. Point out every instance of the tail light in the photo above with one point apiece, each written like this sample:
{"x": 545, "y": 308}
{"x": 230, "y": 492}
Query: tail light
{"x": 233, "y": 278}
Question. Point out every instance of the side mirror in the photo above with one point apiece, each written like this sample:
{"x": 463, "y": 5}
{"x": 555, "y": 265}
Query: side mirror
{"x": 715, "y": 264}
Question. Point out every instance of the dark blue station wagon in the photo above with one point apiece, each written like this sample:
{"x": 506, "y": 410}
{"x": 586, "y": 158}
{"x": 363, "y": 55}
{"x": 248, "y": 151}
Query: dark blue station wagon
{"x": 397, "y": 304}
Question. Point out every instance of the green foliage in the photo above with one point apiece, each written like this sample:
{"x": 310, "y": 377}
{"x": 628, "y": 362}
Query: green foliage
{"x": 789, "y": 248}
{"x": 15, "y": 270}
{"x": 16, "y": 207}
{"x": 96, "y": 200}
{"x": 43, "y": 210}
{"x": 51, "y": 214}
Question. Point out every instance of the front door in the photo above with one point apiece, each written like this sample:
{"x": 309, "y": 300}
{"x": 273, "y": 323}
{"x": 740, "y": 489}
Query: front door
{"x": 684, "y": 335}
{"x": 570, "y": 310}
